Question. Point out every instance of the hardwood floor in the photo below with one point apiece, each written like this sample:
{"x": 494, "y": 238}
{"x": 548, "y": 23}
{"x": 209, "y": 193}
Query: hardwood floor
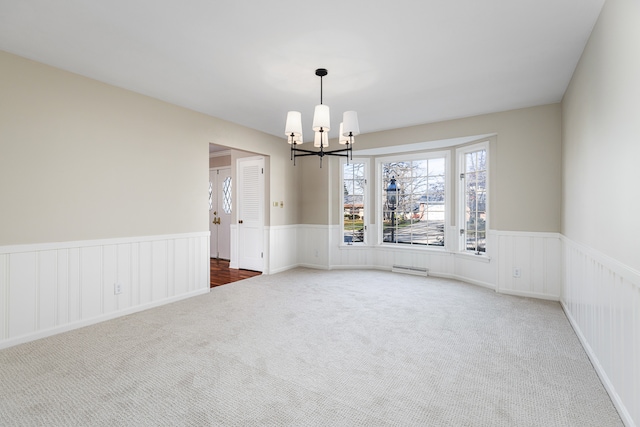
{"x": 221, "y": 274}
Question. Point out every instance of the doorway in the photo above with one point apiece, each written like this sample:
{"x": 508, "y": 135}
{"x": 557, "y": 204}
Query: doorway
{"x": 220, "y": 208}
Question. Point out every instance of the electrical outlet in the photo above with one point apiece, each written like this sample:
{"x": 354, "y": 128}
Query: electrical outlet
{"x": 117, "y": 288}
{"x": 517, "y": 272}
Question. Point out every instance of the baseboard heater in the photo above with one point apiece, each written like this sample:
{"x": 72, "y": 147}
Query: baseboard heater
{"x": 418, "y": 271}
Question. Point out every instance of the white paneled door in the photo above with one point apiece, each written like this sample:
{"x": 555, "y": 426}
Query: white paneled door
{"x": 250, "y": 213}
{"x": 220, "y": 210}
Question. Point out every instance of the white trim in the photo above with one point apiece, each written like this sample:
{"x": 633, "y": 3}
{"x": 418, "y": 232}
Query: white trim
{"x": 409, "y": 247}
{"x": 426, "y": 155}
{"x": 612, "y": 264}
{"x": 461, "y": 193}
{"x": 422, "y": 146}
{"x": 472, "y": 256}
{"x": 55, "y": 287}
{"x": 528, "y": 294}
{"x": 366, "y": 196}
{"x": 281, "y": 250}
{"x": 611, "y": 390}
{"x": 316, "y": 266}
{"x": 92, "y": 321}
{"x": 537, "y": 254}
{"x": 314, "y": 226}
{"x": 358, "y": 267}
{"x": 601, "y": 299}
{"x": 465, "y": 280}
{"x": 355, "y": 247}
{"x": 282, "y": 227}
{"x": 36, "y": 247}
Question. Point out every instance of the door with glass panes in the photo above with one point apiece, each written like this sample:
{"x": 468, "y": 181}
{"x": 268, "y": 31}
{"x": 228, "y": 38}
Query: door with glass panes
{"x": 220, "y": 208}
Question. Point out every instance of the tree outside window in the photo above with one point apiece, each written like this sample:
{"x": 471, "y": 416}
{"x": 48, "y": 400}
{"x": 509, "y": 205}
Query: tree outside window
{"x": 354, "y": 183}
{"x": 418, "y": 215}
{"x": 474, "y": 187}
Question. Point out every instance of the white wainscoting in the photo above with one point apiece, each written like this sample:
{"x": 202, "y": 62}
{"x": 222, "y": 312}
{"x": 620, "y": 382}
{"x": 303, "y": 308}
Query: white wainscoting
{"x": 601, "y": 298}
{"x": 54, "y": 287}
{"x": 313, "y": 246}
{"x": 283, "y": 250}
{"x": 537, "y": 256}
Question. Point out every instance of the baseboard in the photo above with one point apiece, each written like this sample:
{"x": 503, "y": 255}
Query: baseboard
{"x": 102, "y": 318}
{"x": 50, "y": 288}
{"x": 282, "y": 269}
{"x": 528, "y": 294}
{"x": 314, "y": 266}
{"x": 463, "y": 279}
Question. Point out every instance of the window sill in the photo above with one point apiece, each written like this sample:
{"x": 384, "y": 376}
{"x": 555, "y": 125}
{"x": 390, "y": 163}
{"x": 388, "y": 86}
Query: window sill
{"x": 426, "y": 248}
{"x": 482, "y": 258}
{"x": 354, "y": 246}
{"x": 434, "y": 249}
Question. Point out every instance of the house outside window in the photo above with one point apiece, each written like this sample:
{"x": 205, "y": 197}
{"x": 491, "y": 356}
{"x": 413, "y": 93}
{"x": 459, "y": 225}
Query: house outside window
{"x": 473, "y": 189}
{"x": 354, "y": 183}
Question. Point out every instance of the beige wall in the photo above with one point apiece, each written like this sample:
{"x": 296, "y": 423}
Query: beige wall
{"x": 220, "y": 161}
{"x": 525, "y": 162}
{"x": 313, "y": 190}
{"x": 84, "y": 160}
{"x": 601, "y": 137}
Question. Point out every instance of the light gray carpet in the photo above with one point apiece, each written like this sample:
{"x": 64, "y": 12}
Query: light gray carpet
{"x": 314, "y": 348}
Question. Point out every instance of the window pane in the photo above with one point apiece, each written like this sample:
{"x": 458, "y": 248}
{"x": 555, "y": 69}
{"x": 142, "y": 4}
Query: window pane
{"x": 413, "y": 197}
{"x": 226, "y": 195}
{"x": 470, "y": 162}
{"x": 210, "y": 195}
{"x": 482, "y": 159}
{"x": 353, "y": 202}
{"x": 436, "y": 166}
{"x": 435, "y": 189}
{"x": 475, "y": 193}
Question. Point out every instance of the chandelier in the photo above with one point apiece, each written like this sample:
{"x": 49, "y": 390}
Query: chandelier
{"x": 321, "y": 125}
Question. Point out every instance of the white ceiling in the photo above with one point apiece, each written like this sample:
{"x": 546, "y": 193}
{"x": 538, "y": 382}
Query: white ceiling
{"x": 397, "y": 63}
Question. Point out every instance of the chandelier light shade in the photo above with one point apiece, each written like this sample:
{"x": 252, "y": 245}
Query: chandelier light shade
{"x": 350, "y": 121}
{"x": 321, "y": 118}
{"x": 349, "y": 128}
{"x": 294, "y": 125}
{"x": 341, "y": 138}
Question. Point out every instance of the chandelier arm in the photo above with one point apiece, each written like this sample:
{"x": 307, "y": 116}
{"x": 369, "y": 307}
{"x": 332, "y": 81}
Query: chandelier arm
{"x": 342, "y": 152}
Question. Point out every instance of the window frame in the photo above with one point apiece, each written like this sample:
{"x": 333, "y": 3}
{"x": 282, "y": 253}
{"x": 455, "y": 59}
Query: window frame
{"x": 461, "y": 231}
{"x": 379, "y": 202}
{"x": 366, "y": 208}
